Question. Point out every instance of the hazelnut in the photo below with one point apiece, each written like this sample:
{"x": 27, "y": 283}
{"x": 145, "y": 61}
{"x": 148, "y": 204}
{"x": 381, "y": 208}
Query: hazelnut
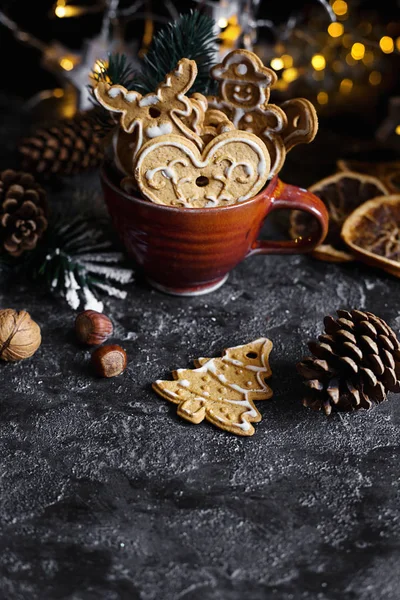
{"x": 19, "y": 336}
{"x": 109, "y": 361}
{"x": 92, "y": 327}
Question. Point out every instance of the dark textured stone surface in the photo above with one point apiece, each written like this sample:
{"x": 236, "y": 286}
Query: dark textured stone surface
{"x": 107, "y": 495}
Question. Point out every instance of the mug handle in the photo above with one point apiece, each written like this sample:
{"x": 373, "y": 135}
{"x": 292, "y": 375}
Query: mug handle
{"x": 292, "y": 197}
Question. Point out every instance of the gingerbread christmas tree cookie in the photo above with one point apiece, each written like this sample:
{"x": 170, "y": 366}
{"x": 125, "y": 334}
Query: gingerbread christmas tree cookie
{"x": 223, "y": 390}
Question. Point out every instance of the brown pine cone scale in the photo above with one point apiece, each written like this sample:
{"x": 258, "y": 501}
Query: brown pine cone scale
{"x": 23, "y": 212}
{"x": 353, "y": 364}
{"x": 69, "y": 147}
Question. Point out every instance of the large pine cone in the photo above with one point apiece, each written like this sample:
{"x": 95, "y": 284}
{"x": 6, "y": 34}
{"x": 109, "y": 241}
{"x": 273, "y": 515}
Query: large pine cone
{"x": 356, "y": 361}
{"x": 66, "y": 148}
{"x": 23, "y": 212}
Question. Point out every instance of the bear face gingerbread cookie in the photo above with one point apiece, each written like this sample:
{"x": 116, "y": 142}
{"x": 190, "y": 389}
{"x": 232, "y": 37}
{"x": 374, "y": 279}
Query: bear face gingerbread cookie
{"x": 233, "y": 167}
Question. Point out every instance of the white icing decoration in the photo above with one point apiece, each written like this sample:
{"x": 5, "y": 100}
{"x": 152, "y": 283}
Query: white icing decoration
{"x": 184, "y": 383}
{"x": 238, "y": 363}
{"x": 157, "y": 130}
{"x": 240, "y": 98}
{"x": 241, "y": 69}
{"x": 114, "y": 92}
{"x": 248, "y": 118}
{"x": 237, "y": 88}
{"x": 131, "y": 96}
{"x": 149, "y": 100}
{"x": 261, "y": 166}
{"x": 211, "y": 367}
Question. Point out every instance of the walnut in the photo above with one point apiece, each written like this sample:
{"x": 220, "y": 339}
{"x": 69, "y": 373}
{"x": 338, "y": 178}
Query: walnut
{"x": 19, "y": 335}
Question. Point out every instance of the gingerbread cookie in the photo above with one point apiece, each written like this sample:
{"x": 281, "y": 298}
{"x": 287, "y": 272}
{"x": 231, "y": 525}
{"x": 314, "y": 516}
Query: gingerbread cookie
{"x": 223, "y": 390}
{"x": 269, "y": 124}
{"x": 158, "y": 113}
{"x": 244, "y": 82}
{"x": 233, "y": 167}
{"x": 244, "y": 94}
{"x": 302, "y": 122}
{"x": 196, "y": 119}
{"x": 215, "y": 122}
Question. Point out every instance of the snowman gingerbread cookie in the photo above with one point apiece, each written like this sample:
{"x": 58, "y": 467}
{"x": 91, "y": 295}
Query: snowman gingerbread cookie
{"x": 244, "y": 96}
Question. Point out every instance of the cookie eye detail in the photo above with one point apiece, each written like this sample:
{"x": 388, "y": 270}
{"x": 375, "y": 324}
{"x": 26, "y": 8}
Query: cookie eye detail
{"x": 237, "y": 88}
{"x": 154, "y": 112}
{"x": 202, "y": 181}
{"x": 252, "y": 355}
{"x": 248, "y": 90}
{"x": 241, "y": 69}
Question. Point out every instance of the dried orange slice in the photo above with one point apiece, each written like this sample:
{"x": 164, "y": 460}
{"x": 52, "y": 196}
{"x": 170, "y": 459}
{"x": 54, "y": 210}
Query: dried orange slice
{"x": 387, "y": 172}
{"x": 372, "y": 232}
{"x": 341, "y": 193}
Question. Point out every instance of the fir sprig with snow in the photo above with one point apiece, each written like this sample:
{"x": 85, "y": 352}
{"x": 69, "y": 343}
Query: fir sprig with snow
{"x": 77, "y": 262}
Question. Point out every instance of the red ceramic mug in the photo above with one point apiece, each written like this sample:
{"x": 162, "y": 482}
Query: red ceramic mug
{"x": 190, "y": 251}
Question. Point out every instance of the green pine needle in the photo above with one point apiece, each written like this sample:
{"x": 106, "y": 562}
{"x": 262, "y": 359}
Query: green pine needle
{"x": 76, "y": 260}
{"x": 191, "y": 36}
{"x": 116, "y": 70}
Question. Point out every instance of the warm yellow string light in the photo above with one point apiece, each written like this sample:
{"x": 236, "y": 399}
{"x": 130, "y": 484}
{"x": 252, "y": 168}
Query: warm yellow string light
{"x": 277, "y": 64}
{"x": 397, "y": 130}
{"x": 66, "y": 63}
{"x": 339, "y": 7}
{"x": 290, "y": 74}
{"x": 322, "y": 98}
{"x": 386, "y": 44}
{"x": 335, "y": 29}
{"x": 318, "y": 62}
{"x": 287, "y": 60}
{"x": 358, "y": 51}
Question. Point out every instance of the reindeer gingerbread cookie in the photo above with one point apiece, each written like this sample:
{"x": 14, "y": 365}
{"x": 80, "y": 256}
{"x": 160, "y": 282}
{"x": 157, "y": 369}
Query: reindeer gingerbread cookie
{"x": 244, "y": 95}
{"x": 164, "y": 112}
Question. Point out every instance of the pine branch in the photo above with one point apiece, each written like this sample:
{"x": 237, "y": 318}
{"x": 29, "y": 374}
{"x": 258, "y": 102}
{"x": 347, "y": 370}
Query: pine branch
{"x": 75, "y": 260}
{"x": 116, "y": 71}
{"x": 191, "y": 36}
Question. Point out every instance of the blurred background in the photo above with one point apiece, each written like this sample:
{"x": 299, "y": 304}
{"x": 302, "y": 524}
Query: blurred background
{"x": 342, "y": 55}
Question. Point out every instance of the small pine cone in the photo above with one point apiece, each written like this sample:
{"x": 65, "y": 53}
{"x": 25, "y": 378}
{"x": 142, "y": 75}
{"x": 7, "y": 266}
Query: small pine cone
{"x": 69, "y": 147}
{"x": 354, "y": 363}
{"x": 23, "y": 212}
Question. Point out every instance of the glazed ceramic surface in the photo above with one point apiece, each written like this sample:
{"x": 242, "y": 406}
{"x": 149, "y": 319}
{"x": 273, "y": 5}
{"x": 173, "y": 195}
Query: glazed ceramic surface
{"x": 191, "y": 251}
